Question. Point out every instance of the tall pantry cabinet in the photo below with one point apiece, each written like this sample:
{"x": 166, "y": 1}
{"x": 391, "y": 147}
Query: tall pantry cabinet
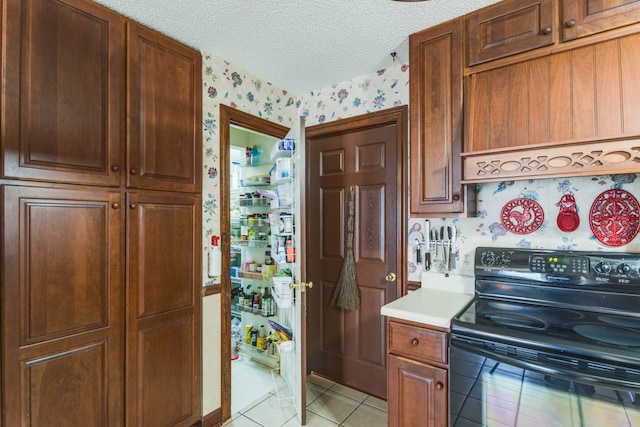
{"x": 100, "y": 184}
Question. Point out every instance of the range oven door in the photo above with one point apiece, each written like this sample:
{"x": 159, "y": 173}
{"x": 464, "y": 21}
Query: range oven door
{"x": 487, "y": 392}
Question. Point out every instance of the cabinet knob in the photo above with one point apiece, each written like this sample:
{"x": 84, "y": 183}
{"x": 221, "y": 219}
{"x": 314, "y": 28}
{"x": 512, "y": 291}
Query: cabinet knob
{"x": 133, "y": 172}
{"x": 570, "y": 23}
{"x": 133, "y": 206}
{"x": 115, "y": 205}
{"x": 546, "y": 30}
{"x": 456, "y": 197}
{"x": 115, "y": 168}
{"x": 439, "y": 386}
{"x": 415, "y": 341}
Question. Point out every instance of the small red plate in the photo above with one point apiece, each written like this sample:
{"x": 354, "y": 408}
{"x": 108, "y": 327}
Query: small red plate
{"x": 615, "y": 217}
{"x": 522, "y": 216}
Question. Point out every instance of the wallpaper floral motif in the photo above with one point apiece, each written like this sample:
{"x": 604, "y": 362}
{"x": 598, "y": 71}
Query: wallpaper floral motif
{"x": 487, "y": 229}
{"x": 386, "y": 88}
{"x": 226, "y": 84}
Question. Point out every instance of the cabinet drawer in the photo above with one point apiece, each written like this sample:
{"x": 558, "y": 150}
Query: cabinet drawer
{"x": 417, "y": 343}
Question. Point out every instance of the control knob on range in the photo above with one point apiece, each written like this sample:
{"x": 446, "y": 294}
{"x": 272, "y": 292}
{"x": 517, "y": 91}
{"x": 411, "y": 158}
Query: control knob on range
{"x": 623, "y": 268}
{"x": 602, "y": 267}
{"x": 504, "y": 260}
{"x": 488, "y": 258}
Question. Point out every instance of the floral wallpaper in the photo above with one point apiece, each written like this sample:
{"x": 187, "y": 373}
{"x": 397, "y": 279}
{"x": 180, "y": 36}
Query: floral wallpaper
{"x": 226, "y": 84}
{"x": 488, "y": 229}
{"x": 386, "y": 88}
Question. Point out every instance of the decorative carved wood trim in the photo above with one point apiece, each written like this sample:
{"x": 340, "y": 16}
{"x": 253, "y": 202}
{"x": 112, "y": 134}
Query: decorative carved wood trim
{"x": 587, "y": 158}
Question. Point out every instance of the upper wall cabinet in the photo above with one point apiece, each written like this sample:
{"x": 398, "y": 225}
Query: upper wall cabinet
{"x": 66, "y": 102}
{"x": 63, "y": 92}
{"x": 436, "y": 119}
{"x": 508, "y": 28}
{"x": 570, "y": 113}
{"x": 165, "y": 106}
{"x": 584, "y": 17}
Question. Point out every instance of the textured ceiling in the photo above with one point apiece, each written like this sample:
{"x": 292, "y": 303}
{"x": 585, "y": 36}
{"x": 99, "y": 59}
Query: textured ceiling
{"x": 297, "y": 45}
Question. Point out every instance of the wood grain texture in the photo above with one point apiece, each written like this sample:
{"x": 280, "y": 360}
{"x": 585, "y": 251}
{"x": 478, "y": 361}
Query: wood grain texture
{"x": 595, "y": 16}
{"x": 436, "y": 119}
{"x": 508, "y": 28}
{"x": 63, "y": 92}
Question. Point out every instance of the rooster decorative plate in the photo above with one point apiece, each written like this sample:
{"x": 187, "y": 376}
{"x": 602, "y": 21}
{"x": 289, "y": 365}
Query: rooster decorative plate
{"x": 615, "y": 217}
{"x": 522, "y": 216}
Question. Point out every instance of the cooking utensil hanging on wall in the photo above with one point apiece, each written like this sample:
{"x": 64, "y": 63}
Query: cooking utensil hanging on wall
{"x": 452, "y": 244}
{"x": 568, "y": 219}
{"x": 427, "y": 245}
{"x": 416, "y": 239}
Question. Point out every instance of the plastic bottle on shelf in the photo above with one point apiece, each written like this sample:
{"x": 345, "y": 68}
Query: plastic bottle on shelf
{"x": 254, "y": 337}
{"x": 241, "y": 299}
{"x": 290, "y": 250}
{"x": 255, "y": 155}
{"x": 262, "y": 338}
{"x": 256, "y": 301}
{"x": 266, "y": 303}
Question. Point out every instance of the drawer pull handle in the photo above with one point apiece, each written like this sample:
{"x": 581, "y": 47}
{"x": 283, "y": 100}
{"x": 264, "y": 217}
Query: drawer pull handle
{"x": 570, "y": 23}
{"x": 439, "y": 386}
{"x": 415, "y": 341}
{"x": 546, "y": 30}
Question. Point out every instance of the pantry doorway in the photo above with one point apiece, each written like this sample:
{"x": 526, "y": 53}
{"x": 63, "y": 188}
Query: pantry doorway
{"x": 366, "y": 153}
{"x": 262, "y": 339}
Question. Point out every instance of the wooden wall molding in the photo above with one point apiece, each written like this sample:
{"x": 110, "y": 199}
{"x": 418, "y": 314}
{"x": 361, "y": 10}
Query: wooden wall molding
{"x": 594, "y": 158}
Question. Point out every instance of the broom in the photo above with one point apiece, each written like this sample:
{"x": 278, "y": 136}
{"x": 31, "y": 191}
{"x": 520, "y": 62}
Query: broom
{"x": 347, "y": 294}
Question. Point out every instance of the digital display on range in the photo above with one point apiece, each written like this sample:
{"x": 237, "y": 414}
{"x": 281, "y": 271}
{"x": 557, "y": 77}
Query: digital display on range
{"x": 559, "y": 264}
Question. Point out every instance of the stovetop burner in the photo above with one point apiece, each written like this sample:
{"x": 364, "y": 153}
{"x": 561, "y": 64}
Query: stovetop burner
{"x": 608, "y": 334}
{"x": 571, "y": 325}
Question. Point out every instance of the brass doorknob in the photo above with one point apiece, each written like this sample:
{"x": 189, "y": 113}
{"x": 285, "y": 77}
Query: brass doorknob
{"x": 301, "y": 285}
{"x": 391, "y": 277}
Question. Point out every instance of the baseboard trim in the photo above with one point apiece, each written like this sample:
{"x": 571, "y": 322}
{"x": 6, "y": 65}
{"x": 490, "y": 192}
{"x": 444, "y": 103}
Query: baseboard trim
{"x": 213, "y": 419}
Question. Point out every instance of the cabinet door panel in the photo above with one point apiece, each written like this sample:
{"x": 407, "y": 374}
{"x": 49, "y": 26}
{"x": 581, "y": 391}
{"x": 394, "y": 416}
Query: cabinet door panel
{"x": 418, "y": 394}
{"x": 584, "y": 17}
{"x": 629, "y": 77}
{"x": 581, "y": 94}
{"x": 509, "y": 27}
{"x": 63, "y": 92}
{"x": 436, "y": 119}
{"x": 62, "y": 306}
{"x": 163, "y": 330}
{"x": 165, "y": 110}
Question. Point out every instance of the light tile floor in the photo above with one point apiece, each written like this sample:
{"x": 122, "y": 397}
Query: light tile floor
{"x": 328, "y": 404}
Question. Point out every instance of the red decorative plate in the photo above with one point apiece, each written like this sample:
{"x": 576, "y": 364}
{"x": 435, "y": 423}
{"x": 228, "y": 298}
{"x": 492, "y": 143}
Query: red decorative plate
{"x": 615, "y": 217}
{"x": 522, "y": 216}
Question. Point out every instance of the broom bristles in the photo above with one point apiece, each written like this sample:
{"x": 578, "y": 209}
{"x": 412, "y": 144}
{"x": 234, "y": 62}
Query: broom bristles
{"x": 347, "y": 294}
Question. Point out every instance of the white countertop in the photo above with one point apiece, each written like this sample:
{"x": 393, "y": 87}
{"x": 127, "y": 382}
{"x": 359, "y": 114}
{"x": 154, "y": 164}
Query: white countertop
{"x": 435, "y": 303}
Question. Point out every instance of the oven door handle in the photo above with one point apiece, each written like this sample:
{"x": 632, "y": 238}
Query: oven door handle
{"x": 565, "y": 373}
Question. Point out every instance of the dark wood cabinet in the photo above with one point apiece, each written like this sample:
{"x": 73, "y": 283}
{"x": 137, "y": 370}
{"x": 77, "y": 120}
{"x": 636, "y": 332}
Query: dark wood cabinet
{"x": 63, "y": 92}
{"x": 509, "y": 27}
{"x": 575, "y": 97}
{"x": 163, "y": 312}
{"x": 436, "y": 119}
{"x": 417, "y": 376}
{"x": 165, "y": 107}
{"x": 62, "y": 307}
{"x": 100, "y": 274}
{"x": 585, "y": 17}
